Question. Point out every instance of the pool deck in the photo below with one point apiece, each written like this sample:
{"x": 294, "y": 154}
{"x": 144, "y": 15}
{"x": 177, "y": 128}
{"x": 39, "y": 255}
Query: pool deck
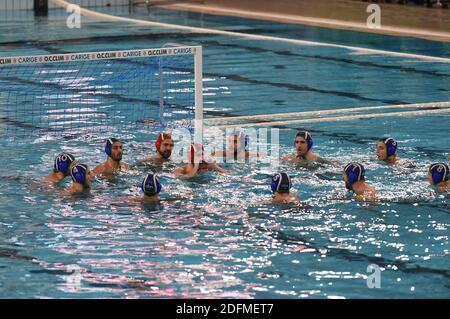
{"x": 401, "y": 20}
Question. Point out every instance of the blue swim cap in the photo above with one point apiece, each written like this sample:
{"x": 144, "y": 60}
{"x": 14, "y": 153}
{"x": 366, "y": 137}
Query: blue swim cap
{"x": 79, "y": 173}
{"x": 355, "y": 172}
{"x": 108, "y": 145}
{"x": 391, "y": 145}
{"x": 439, "y": 172}
{"x": 62, "y": 163}
{"x": 281, "y": 183}
{"x": 307, "y": 136}
{"x": 151, "y": 185}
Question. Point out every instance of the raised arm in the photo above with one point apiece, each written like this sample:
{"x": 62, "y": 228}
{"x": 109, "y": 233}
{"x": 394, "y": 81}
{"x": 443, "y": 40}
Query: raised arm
{"x": 98, "y": 170}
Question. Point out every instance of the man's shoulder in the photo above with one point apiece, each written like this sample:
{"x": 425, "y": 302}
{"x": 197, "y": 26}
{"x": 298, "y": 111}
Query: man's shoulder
{"x": 444, "y": 187}
{"x": 311, "y": 156}
{"x": 99, "y": 168}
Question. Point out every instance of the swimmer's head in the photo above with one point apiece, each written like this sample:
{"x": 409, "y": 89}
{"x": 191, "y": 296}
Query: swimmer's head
{"x": 196, "y": 151}
{"x": 353, "y": 172}
{"x": 63, "y": 163}
{"x": 164, "y": 145}
{"x": 303, "y": 142}
{"x": 239, "y": 141}
{"x": 81, "y": 174}
{"x": 281, "y": 183}
{"x": 114, "y": 149}
{"x": 151, "y": 185}
{"x": 438, "y": 173}
{"x": 386, "y": 147}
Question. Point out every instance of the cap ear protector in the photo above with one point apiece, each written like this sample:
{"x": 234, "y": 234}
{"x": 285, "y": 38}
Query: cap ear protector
{"x": 281, "y": 183}
{"x": 151, "y": 185}
{"x": 108, "y": 145}
{"x": 193, "y": 149}
{"x": 161, "y": 138}
{"x": 355, "y": 172}
{"x": 307, "y": 136}
{"x": 391, "y": 145}
{"x": 79, "y": 173}
{"x": 439, "y": 172}
{"x": 62, "y": 163}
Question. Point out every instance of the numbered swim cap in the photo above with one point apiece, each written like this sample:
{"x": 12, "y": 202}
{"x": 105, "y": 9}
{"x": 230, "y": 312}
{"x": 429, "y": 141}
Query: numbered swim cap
{"x": 281, "y": 183}
{"x": 161, "y": 138}
{"x": 355, "y": 172}
{"x": 79, "y": 173}
{"x": 439, "y": 172}
{"x": 307, "y": 136}
{"x": 151, "y": 185}
{"x": 108, "y": 145}
{"x": 62, "y": 163}
{"x": 391, "y": 145}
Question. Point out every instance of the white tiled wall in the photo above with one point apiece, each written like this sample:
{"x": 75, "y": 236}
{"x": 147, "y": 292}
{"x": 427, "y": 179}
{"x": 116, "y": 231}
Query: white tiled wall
{"x": 28, "y": 4}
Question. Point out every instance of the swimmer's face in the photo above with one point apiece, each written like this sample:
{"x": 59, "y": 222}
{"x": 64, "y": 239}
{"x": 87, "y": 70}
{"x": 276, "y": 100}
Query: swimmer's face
{"x": 117, "y": 151}
{"x": 166, "y": 148}
{"x": 347, "y": 184}
{"x": 381, "y": 151}
{"x": 301, "y": 145}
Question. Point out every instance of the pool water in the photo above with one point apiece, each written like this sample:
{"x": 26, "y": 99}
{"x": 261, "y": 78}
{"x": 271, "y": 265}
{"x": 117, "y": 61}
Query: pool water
{"x": 219, "y": 242}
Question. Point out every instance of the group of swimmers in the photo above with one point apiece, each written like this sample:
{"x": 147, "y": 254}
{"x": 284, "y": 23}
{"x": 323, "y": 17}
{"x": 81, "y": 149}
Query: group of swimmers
{"x": 65, "y": 164}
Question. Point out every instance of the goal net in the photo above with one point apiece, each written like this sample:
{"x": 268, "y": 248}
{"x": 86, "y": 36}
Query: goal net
{"x": 96, "y": 92}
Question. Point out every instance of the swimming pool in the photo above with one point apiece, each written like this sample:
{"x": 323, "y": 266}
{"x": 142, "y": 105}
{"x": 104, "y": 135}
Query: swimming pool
{"x": 217, "y": 245}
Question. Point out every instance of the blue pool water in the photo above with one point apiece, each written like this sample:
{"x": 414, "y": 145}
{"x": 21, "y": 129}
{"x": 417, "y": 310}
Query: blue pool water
{"x": 217, "y": 244}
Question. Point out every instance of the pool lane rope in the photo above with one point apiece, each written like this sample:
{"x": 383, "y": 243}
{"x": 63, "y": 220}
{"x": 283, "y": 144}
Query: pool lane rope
{"x": 325, "y": 112}
{"x": 108, "y": 17}
{"x": 336, "y": 118}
